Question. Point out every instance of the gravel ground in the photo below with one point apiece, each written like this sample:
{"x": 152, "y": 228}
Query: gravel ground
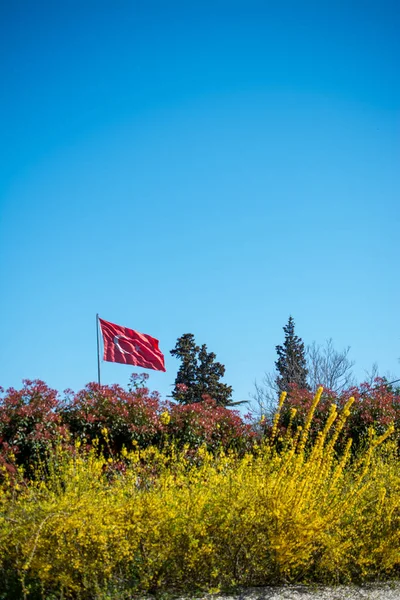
{"x": 386, "y": 591}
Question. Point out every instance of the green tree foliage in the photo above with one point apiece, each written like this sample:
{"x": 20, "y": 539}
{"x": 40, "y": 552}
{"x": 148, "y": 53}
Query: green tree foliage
{"x": 199, "y": 374}
{"x": 291, "y": 364}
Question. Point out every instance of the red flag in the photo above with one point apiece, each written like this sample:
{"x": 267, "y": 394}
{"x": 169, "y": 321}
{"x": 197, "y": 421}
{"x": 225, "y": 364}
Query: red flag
{"x": 130, "y": 347}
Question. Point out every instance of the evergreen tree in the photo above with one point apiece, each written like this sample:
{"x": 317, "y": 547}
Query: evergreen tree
{"x": 198, "y": 374}
{"x": 291, "y": 363}
{"x": 186, "y": 378}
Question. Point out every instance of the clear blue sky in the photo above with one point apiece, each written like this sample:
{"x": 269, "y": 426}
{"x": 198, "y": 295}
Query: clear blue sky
{"x": 207, "y": 167}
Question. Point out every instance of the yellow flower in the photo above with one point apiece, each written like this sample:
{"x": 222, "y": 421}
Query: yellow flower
{"x": 165, "y": 417}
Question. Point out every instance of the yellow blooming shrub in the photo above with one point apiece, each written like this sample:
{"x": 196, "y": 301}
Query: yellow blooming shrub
{"x": 188, "y": 519}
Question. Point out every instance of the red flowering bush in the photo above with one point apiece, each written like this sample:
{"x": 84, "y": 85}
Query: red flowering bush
{"x": 211, "y": 424}
{"x": 35, "y": 418}
{"x": 118, "y": 418}
{"x": 29, "y": 422}
{"x": 375, "y": 406}
{"x": 114, "y": 416}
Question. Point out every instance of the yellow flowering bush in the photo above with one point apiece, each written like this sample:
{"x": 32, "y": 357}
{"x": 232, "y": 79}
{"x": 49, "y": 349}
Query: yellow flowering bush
{"x": 183, "y": 520}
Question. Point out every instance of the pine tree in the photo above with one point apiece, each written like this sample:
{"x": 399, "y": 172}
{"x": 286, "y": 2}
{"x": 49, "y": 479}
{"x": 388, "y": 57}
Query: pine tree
{"x": 198, "y": 374}
{"x": 291, "y": 363}
{"x": 186, "y": 378}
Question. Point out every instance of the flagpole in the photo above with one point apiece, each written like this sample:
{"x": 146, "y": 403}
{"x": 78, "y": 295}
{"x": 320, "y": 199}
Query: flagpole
{"x": 98, "y": 348}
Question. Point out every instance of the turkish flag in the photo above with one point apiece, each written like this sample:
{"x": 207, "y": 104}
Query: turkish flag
{"x": 130, "y": 347}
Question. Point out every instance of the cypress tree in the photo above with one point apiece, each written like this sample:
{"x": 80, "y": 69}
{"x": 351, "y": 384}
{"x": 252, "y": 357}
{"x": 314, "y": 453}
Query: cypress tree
{"x": 291, "y": 363}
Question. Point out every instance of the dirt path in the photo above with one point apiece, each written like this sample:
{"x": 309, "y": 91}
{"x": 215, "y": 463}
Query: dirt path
{"x": 387, "y": 591}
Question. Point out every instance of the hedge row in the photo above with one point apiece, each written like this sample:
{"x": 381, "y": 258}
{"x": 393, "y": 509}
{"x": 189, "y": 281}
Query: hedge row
{"x": 37, "y": 417}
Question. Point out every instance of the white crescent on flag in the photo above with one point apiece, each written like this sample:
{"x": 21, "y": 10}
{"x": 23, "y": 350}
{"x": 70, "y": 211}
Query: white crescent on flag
{"x": 116, "y": 342}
